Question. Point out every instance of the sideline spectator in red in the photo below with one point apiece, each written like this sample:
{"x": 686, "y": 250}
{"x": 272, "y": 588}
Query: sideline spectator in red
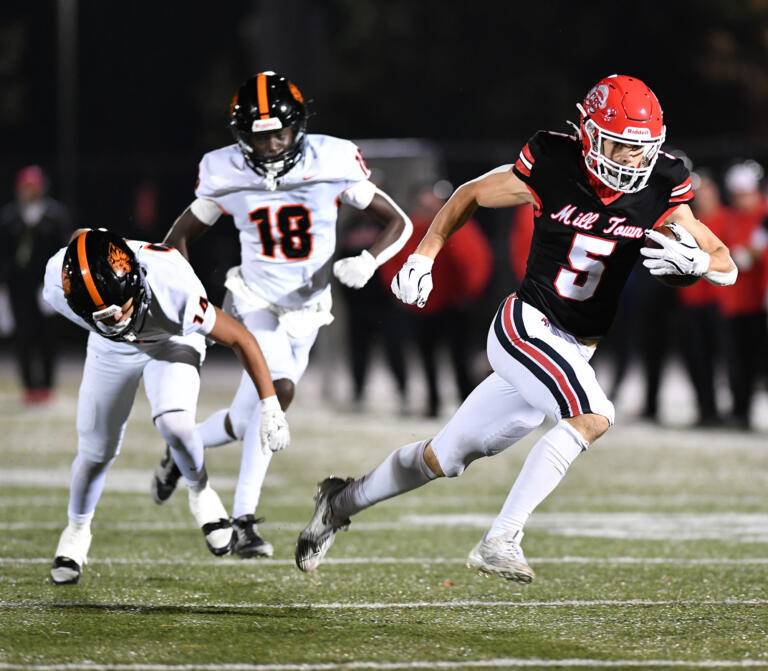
{"x": 699, "y": 322}
{"x": 743, "y": 304}
{"x": 461, "y": 276}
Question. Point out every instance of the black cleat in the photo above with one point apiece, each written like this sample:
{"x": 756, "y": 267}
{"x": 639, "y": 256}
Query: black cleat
{"x": 249, "y": 543}
{"x": 319, "y": 534}
{"x": 166, "y": 477}
{"x": 65, "y": 571}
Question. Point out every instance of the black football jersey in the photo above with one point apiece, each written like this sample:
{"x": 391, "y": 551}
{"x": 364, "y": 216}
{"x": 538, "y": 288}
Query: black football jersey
{"x": 583, "y": 250}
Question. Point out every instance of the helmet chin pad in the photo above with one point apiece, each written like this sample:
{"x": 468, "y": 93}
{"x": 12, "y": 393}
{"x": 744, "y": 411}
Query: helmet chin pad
{"x": 106, "y": 313}
{"x": 113, "y": 329}
{"x": 617, "y": 176}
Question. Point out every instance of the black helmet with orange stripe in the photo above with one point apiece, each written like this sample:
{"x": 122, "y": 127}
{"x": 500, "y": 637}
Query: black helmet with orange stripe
{"x": 268, "y": 118}
{"x": 99, "y": 275}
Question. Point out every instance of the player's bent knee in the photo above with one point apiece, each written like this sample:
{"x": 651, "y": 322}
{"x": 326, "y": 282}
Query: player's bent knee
{"x": 96, "y": 448}
{"x": 431, "y": 461}
{"x": 591, "y": 426}
{"x": 90, "y": 466}
{"x": 455, "y": 453}
{"x": 285, "y": 390}
{"x": 229, "y": 428}
{"x": 237, "y": 424}
{"x": 176, "y": 428}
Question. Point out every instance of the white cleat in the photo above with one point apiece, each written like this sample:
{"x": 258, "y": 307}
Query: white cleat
{"x": 502, "y": 556}
{"x": 319, "y": 534}
{"x": 212, "y": 518}
{"x": 71, "y": 555}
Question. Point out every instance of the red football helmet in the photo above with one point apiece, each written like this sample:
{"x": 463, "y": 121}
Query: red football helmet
{"x": 625, "y": 110}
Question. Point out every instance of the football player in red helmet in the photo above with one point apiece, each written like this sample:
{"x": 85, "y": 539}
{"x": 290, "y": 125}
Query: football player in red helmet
{"x": 597, "y": 196}
{"x": 621, "y": 131}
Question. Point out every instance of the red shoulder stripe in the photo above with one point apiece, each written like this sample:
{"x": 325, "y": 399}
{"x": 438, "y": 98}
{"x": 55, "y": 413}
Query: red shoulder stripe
{"x": 522, "y": 168}
{"x": 528, "y": 155}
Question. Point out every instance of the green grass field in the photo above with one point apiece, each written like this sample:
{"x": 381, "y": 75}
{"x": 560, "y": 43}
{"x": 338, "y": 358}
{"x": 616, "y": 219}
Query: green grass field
{"x": 653, "y": 553}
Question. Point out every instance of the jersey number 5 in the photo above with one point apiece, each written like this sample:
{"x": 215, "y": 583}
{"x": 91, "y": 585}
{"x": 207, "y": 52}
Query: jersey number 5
{"x": 580, "y": 282}
{"x": 293, "y": 223}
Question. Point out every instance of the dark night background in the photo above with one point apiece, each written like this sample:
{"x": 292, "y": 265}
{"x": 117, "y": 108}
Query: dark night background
{"x": 152, "y": 80}
{"x": 119, "y": 100}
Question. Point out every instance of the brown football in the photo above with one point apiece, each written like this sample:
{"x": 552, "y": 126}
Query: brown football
{"x": 676, "y": 281}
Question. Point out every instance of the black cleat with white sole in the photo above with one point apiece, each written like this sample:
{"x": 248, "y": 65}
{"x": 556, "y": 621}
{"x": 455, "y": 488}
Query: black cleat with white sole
{"x": 248, "y": 542}
{"x": 319, "y": 534}
{"x": 65, "y": 571}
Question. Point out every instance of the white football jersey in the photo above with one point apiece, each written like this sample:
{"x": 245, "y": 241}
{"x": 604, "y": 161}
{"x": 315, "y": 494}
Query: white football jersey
{"x": 178, "y": 304}
{"x": 288, "y": 235}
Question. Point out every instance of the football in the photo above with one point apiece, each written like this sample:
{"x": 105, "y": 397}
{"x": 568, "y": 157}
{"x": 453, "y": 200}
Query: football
{"x": 676, "y": 281}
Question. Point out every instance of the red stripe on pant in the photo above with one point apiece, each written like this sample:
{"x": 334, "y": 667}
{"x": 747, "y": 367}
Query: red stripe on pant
{"x": 539, "y": 357}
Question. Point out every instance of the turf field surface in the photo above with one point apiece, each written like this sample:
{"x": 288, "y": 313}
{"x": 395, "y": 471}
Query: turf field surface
{"x": 653, "y": 553}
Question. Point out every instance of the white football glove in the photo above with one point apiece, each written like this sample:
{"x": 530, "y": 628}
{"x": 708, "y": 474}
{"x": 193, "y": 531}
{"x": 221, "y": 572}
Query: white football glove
{"x": 355, "y": 271}
{"x": 413, "y": 281}
{"x": 274, "y": 427}
{"x": 675, "y": 257}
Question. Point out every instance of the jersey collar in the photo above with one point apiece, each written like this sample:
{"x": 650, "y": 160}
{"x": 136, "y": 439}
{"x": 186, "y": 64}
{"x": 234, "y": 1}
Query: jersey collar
{"x": 606, "y": 194}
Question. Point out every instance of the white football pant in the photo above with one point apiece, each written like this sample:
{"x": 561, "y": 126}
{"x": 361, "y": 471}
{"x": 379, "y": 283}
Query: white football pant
{"x": 287, "y": 358}
{"x": 111, "y": 376}
{"x": 539, "y": 371}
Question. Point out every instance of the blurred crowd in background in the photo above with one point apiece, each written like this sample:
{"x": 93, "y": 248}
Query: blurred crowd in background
{"x": 718, "y": 334}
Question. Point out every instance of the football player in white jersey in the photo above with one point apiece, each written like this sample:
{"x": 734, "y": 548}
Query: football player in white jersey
{"x": 283, "y": 188}
{"x": 148, "y": 315}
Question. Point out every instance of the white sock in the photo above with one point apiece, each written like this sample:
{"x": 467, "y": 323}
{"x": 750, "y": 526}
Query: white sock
{"x": 80, "y": 526}
{"x": 212, "y": 430}
{"x": 402, "y": 471}
{"x": 542, "y": 471}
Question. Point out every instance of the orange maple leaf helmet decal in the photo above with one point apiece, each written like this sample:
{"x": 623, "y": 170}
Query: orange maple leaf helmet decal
{"x": 118, "y": 260}
{"x": 295, "y": 92}
{"x": 65, "y": 283}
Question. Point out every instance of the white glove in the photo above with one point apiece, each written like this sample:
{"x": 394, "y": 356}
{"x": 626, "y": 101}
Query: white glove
{"x": 413, "y": 281}
{"x": 355, "y": 271}
{"x": 274, "y": 427}
{"x": 675, "y": 257}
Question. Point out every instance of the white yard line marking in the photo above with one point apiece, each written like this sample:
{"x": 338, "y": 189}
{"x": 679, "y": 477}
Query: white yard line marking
{"x": 345, "y": 561}
{"x": 732, "y": 527}
{"x": 394, "y": 605}
{"x": 394, "y": 666}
